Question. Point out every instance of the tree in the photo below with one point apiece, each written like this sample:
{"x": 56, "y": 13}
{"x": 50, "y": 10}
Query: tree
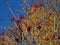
{"x": 40, "y": 26}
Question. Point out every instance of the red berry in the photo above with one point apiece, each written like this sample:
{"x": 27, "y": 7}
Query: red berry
{"x": 34, "y": 9}
{"x": 53, "y": 36}
{"x": 49, "y": 25}
{"x": 47, "y": 39}
{"x": 28, "y": 28}
{"x": 16, "y": 39}
{"x": 58, "y": 43}
{"x": 18, "y": 21}
{"x": 50, "y": 13}
{"x": 3, "y": 39}
{"x": 21, "y": 16}
{"x": 58, "y": 37}
{"x": 36, "y": 6}
{"x": 38, "y": 26}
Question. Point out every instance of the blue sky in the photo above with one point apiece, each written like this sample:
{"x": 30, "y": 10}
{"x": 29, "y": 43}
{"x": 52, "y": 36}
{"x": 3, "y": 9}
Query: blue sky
{"x": 3, "y": 14}
{"x": 4, "y": 11}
